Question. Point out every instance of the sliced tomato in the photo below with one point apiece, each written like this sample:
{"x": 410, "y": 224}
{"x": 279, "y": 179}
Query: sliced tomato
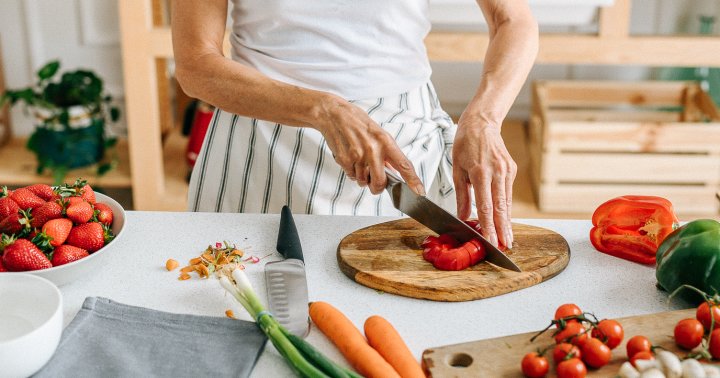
{"x": 632, "y": 227}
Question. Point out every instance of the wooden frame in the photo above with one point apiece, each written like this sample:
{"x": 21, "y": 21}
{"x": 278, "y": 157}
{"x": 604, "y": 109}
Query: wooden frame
{"x": 144, "y": 41}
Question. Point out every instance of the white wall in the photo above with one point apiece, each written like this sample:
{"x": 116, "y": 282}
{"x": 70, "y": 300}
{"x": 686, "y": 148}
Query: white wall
{"x": 84, "y": 33}
{"x": 80, "y": 33}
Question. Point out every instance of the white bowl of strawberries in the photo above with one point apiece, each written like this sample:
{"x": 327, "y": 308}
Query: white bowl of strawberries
{"x": 59, "y": 233}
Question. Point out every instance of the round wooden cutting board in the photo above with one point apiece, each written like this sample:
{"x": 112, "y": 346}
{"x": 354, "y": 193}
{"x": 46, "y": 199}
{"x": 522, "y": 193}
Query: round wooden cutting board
{"x": 388, "y": 257}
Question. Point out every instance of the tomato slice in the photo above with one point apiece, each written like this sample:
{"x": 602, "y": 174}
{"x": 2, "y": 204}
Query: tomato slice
{"x": 451, "y": 255}
{"x": 632, "y": 227}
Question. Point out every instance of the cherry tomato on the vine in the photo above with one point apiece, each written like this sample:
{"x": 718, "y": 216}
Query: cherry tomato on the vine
{"x": 637, "y": 344}
{"x": 572, "y": 368}
{"x": 573, "y": 333}
{"x": 703, "y": 315}
{"x": 595, "y": 353}
{"x": 610, "y": 332}
{"x": 534, "y": 365}
{"x": 715, "y": 343}
{"x": 642, "y": 355}
{"x": 567, "y": 310}
{"x": 562, "y": 350}
{"x": 689, "y": 333}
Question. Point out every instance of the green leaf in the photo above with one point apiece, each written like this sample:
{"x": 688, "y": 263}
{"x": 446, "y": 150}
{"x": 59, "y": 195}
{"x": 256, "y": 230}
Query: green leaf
{"x": 104, "y": 168}
{"x": 110, "y": 142}
{"x": 114, "y": 114}
{"x": 48, "y": 70}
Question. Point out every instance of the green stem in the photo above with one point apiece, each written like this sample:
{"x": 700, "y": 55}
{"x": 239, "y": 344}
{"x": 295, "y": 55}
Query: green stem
{"x": 318, "y": 359}
{"x": 272, "y": 329}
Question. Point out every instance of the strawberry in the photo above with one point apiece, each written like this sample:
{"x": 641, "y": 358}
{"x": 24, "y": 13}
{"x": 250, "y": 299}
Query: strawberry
{"x": 2, "y": 267}
{"x": 103, "y": 213}
{"x": 26, "y": 199}
{"x": 8, "y": 207}
{"x": 87, "y": 193}
{"x": 66, "y": 254}
{"x": 88, "y": 236}
{"x": 79, "y": 212}
{"x": 44, "y": 213}
{"x": 15, "y": 224}
{"x": 57, "y": 230}
{"x": 20, "y": 255}
{"x": 43, "y": 191}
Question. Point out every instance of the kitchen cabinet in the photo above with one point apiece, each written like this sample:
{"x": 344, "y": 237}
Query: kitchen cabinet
{"x": 146, "y": 41}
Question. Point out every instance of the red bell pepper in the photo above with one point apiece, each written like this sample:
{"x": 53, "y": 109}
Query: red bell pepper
{"x": 632, "y": 227}
{"x": 446, "y": 253}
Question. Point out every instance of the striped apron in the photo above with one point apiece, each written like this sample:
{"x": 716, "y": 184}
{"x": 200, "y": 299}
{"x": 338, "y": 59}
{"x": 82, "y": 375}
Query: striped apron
{"x": 253, "y": 166}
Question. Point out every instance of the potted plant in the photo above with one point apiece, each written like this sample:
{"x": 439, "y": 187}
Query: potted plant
{"x": 71, "y": 116}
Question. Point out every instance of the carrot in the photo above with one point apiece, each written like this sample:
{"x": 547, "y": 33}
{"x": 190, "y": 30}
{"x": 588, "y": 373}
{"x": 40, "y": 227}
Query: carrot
{"x": 351, "y": 343}
{"x": 386, "y": 340}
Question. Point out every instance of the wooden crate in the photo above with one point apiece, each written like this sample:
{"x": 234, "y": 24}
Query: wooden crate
{"x": 592, "y": 141}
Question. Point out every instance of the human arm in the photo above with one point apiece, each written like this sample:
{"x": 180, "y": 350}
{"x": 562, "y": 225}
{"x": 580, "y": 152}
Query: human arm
{"x": 482, "y": 166}
{"x": 360, "y": 146}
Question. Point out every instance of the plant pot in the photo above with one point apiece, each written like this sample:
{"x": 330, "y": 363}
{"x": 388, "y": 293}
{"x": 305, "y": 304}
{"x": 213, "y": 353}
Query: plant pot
{"x": 78, "y": 141}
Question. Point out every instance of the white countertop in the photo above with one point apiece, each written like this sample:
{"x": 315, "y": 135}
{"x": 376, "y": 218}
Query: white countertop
{"x": 136, "y": 275}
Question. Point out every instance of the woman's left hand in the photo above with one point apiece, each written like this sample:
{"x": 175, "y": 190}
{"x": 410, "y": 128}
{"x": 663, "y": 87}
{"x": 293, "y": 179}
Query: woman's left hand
{"x": 482, "y": 162}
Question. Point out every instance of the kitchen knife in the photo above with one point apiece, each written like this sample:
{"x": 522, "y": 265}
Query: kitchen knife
{"x": 437, "y": 219}
{"x": 285, "y": 280}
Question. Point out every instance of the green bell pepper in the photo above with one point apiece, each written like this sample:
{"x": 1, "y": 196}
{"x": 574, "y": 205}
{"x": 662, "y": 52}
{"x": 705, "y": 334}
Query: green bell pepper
{"x": 690, "y": 255}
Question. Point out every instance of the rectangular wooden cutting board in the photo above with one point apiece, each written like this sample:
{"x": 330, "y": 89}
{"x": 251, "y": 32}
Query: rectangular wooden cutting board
{"x": 500, "y": 357}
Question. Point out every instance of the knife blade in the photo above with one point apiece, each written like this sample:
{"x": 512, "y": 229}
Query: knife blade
{"x": 437, "y": 219}
{"x": 286, "y": 280}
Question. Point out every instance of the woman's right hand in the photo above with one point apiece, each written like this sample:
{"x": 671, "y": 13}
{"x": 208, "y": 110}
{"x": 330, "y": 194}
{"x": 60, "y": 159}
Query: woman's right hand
{"x": 361, "y": 147}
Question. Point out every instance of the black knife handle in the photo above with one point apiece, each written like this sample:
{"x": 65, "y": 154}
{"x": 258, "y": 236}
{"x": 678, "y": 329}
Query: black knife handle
{"x": 288, "y": 243}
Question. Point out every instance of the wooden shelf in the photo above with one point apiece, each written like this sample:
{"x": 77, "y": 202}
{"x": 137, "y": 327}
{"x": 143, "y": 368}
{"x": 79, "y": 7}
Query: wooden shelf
{"x": 19, "y": 167}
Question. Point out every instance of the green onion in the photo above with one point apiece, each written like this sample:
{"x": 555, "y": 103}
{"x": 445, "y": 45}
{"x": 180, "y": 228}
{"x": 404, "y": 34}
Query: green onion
{"x": 300, "y": 355}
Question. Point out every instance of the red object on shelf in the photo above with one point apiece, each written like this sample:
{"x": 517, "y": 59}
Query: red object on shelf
{"x": 201, "y": 119}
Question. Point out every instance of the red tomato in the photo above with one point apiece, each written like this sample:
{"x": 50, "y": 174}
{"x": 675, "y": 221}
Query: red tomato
{"x": 573, "y": 332}
{"x": 632, "y": 227}
{"x": 703, "y": 315}
{"x": 572, "y": 368}
{"x": 638, "y": 344}
{"x": 642, "y": 355}
{"x": 562, "y": 350}
{"x": 567, "y": 310}
{"x": 595, "y": 353}
{"x": 610, "y": 332}
{"x": 534, "y": 365}
{"x": 715, "y": 343}
{"x": 689, "y": 333}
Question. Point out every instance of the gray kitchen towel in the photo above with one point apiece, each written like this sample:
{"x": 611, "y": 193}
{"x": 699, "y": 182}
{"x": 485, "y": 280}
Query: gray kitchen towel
{"x": 110, "y": 339}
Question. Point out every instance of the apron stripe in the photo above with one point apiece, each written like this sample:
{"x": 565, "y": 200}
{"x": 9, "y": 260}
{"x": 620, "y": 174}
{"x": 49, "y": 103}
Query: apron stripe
{"x": 226, "y": 164}
{"x": 206, "y": 153}
{"x": 248, "y": 166}
{"x": 316, "y": 177}
{"x": 293, "y": 164}
{"x": 270, "y": 162}
{"x": 338, "y": 190}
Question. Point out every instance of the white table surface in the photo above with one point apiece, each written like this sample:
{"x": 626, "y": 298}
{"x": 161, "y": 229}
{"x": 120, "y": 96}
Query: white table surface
{"x": 136, "y": 275}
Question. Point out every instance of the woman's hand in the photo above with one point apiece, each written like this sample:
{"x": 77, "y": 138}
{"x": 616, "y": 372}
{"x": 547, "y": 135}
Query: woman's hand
{"x": 482, "y": 162}
{"x": 361, "y": 147}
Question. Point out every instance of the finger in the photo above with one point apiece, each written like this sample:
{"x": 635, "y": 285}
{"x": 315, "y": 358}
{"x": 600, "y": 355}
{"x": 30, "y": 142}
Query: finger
{"x": 462, "y": 193}
{"x": 378, "y": 179}
{"x": 499, "y": 201}
{"x": 361, "y": 174}
{"x": 509, "y": 192}
{"x": 483, "y": 201}
{"x": 400, "y": 162}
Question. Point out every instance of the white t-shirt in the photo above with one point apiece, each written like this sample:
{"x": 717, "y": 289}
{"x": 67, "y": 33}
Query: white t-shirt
{"x": 358, "y": 49}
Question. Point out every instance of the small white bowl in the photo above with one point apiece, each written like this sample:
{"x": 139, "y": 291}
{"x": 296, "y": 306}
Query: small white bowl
{"x": 31, "y": 323}
{"x": 64, "y": 274}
